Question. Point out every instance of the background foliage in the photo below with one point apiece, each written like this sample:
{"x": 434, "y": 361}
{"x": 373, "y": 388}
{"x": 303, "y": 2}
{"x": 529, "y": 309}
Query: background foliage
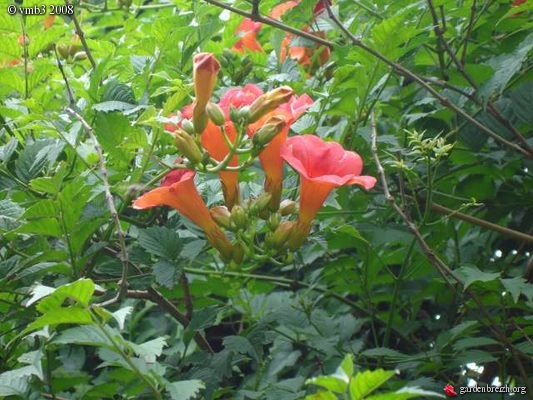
{"x": 427, "y": 274}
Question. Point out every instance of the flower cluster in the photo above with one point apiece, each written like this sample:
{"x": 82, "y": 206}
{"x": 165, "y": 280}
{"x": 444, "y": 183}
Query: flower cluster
{"x": 307, "y": 56}
{"x": 226, "y": 138}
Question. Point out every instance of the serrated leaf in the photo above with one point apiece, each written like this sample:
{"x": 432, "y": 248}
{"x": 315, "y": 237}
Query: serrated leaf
{"x": 471, "y": 274}
{"x": 408, "y": 392}
{"x": 121, "y": 314}
{"x": 468, "y": 343}
{"x": 150, "y": 350}
{"x": 109, "y": 106}
{"x": 166, "y": 274}
{"x": 81, "y": 291}
{"x": 384, "y": 352}
{"x": 161, "y": 241}
{"x": 89, "y": 335}
{"x": 332, "y": 383}
{"x": 64, "y": 315}
{"x": 517, "y": 286}
{"x": 7, "y": 150}
{"x": 185, "y": 390}
{"x": 116, "y": 91}
{"x": 240, "y": 345}
{"x": 366, "y": 382}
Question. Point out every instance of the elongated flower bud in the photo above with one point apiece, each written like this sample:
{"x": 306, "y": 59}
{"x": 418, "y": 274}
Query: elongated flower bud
{"x": 221, "y": 216}
{"x": 282, "y": 234}
{"x": 287, "y": 207}
{"x": 187, "y": 146}
{"x": 205, "y": 72}
{"x": 269, "y": 131}
{"x": 262, "y": 202}
{"x": 215, "y": 113}
{"x": 269, "y": 102}
{"x": 238, "y": 217}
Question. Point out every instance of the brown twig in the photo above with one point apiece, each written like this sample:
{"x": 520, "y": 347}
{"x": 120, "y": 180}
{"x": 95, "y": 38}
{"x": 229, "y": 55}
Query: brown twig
{"x": 71, "y": 100}
{"x": 187, "y": 297}
{"x": 438, "y": 34}
{"x": 272, "y": 22}
{"x": 469, "y": 30}
{"x": 411, "y": 75}
{"x": 480, "y": 222}
{"x": 460, "y": 67}
{"x": 110, "y": 205}
{"x": 166, "y": 305}
{"x": 81, "y": 35}
{"x": 441, "y": 267}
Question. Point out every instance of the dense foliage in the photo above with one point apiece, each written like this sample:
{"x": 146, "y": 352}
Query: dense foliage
{"x": 429, "y": 273}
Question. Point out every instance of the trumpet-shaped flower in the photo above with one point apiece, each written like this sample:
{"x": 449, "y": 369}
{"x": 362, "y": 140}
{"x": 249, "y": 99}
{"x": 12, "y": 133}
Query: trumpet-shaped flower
{"x": 247, "y": 31}
{"x": 213, "y": 141}
{"x": 270, "y": 157}
{"x": 239, "y": 97}
{"x": 178, "y": 191}
{"x": 322, "y": 166}
{"x": 305, "y": 56}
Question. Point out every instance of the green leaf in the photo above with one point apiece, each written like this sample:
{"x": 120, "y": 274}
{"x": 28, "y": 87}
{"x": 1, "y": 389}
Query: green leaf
{"x": 161, "y": 241}
{"x": 471, "y": 274}
{"x": 81, "y": 291}
{"x": 518, "y": 286}
{"x": 333, "y": 383}
{"x": 150, "y": 350}
{"x": 405, "y": 393}
{"x": 240, "y": 345}
{"x": 185, "y": 390}
{"x": 116, "y": 91}
{"x": 89, "y": 335}
{"x": 64, "y": 315}
{"x": 109, "y": 106}
{"x": 7, "y": 150}
{"x": 384, "y": 352}
{"x": 121, "y": 314}
{"x": 16, "y": 382}
{"x": 167, "y": 274}
{"x": 468, "y": 343}
{"x": 366, "y": 382}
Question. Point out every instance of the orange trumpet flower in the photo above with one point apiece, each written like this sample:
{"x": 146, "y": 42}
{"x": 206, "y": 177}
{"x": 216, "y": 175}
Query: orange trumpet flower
{"x": 270, "y": 157}
{"x": 178, "y": 191}
{"x": 322, "y": 166}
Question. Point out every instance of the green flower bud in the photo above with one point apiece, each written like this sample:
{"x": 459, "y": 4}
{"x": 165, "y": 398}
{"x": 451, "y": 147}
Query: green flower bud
{"x": 238, "y": 217}
{"x": 187, "y": 126}
{"x": 273, "y": 221}
{"x": 262, "y": 202}
{"x": 221, "y": 216}
{"x": 282, "y": 234}
{"x": 269, "y": 101}
{"x": 287, "y": 207}
{"x": 238, "y": 253}
{"x": 269, "y": 131}
{"x": 187, "y": 146}
{"x": 216, "y": 114}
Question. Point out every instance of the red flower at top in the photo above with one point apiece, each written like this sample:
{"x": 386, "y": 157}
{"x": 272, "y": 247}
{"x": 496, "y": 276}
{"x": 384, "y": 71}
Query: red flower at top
{"x": 322, "y": 166}
{"x": 239, "y": 97}
{"x": 247, "y": 32}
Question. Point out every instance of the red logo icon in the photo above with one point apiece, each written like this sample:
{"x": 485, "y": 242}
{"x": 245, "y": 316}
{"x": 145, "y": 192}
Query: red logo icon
{"x": 450, "y": 391}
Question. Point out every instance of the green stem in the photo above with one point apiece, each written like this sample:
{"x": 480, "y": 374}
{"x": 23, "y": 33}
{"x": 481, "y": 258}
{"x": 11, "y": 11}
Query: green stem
{"x": 125, "y": 357}
{"x": 395, "y": 294}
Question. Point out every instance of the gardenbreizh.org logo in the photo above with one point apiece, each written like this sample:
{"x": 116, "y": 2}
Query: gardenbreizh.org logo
{"x": 449, "y": 389}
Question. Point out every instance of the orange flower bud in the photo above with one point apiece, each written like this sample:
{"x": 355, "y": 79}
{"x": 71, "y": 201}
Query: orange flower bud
{"x": 269, "y": 102}
{"x": 206, "y": 68}
{"x": 205, "y": 72}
